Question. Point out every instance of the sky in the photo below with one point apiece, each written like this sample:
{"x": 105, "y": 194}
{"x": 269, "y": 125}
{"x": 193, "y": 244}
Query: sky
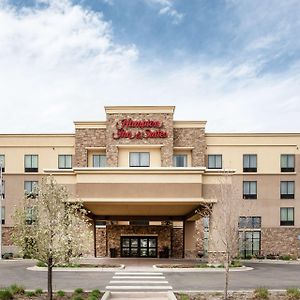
{"x": 234, "y": 63}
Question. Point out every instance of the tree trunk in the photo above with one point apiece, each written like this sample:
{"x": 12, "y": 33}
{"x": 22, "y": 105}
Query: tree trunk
{"x": 50, "y": 278}
{"x": 227, "y": 263}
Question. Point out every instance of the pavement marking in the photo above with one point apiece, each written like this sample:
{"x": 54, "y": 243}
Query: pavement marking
{"x": 138, "y": 273}
{"x": 138, "y": 287}
{"x": 138, "y": 281}
{"x": 141, "y": 277}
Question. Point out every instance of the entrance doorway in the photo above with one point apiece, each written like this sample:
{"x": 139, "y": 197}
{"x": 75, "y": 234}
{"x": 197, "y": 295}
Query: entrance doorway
{"x": 139, "y": 246}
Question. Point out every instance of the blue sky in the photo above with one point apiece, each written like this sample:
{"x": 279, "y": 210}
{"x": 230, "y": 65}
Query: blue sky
{"x": 234, "y": 63}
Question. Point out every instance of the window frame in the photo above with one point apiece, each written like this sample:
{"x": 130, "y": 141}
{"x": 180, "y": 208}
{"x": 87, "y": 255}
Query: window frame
{"x": 3, "y": 166}
{"x": 65, "y": 156}
{"x": 93, "y": 160}
{"x": 250, "y": 220}
{"x": 31, "y": 193}
{"x": 139, "y": 166}
{"x": 3, "y": 189}
{"x": 31, "y": 169}
{"x": 249, "y": 168}
{"x": 287, "y": 168}
{"x": 250, "y": 195}
{"x": 287, "y": 195}
{"x": 215, "y": 161}
{"x": 185, "y": 160}
{"x": 2, "y": 219}
{"x": 287, "y": 222}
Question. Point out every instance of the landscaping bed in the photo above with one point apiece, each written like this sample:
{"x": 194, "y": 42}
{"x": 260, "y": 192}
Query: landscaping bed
{"x": 15, "y": 292}
{"x": 234, "y": 264}
{"x": 81, "y": 265}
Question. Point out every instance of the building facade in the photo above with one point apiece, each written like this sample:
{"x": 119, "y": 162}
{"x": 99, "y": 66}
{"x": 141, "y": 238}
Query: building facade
{"x": 146, "y": 178}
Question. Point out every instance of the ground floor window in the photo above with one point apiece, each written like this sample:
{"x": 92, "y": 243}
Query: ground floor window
{"x": 249, "y": 243}
{"x": 138, "y": 246}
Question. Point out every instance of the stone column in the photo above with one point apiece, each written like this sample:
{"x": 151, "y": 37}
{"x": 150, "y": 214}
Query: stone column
{"x": 190, "y": 250}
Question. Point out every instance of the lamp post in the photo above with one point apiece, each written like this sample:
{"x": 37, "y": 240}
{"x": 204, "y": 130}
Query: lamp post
{"x": 1, "y": 198}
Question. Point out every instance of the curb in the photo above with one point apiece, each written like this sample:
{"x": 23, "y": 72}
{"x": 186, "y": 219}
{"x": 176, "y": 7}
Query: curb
{"x": 58, "y": 269}
{"x": 192, "y": 270}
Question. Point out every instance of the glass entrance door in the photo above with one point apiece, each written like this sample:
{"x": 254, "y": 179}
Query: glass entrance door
{"x": 138, "y": 246}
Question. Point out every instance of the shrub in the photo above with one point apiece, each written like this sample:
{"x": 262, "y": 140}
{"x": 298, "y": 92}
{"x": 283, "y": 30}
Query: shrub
{"x": 293, "y": 293}
{"x": 38, "y": 291}
{"x": 235, "y": 264}
{"x": 95, "y": 293}
{"x": 60, "y": 293}
{"x": 7, "y": 256}
{"x": 261, "y": 293}
{"x": 91, "y": 297}
{"x": 41, "y": 264}
{"x": 285, "y": 257}
{"x": 78, "y": 291}
{"x": 30, "y": 294}
{"x": 77, "y": 298}
{"x": 6, "y": 294}
{"x": 271, "y": 256}
{"x": 17, "y": 289}
{"x": 184, "y": 297}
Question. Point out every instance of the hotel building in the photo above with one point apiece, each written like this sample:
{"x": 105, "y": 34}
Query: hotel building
{"x": 145, "y": 177}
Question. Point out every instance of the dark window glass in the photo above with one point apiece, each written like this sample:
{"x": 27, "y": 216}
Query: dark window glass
{"x": 99, "y": 161}
{"x": 250, "y": 163}
{"x": 2, "y": 215}
{"x": 249, "y": 243}
{"x": 215, "y": 161}
{"x": 249, "y": 189}
{"x": 287, "y": 189}
{"x": 2, "y": 189}
{"x": 65, "y": 161}
{"x": 2, "y": 162}
{"x": 287, "y": 162}
{"x": 286, "y": 216}
{"x": 180, "y": 160}
{"x": 29, "y": 188}
{"x": 250, "y": 222}
{"x": 31, "y": 163}
{"x": 139, "y": 223}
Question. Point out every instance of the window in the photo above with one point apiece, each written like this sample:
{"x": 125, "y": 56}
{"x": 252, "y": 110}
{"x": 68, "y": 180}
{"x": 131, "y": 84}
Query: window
{"x": 31, "y": 163}
{"x": 215, "y": 161}
{"x": 2, "y": 215}
{"x": 30, "y": 216}
{"x": 287, "y": 162}
{"x": 2, "y": 162}
{"x": 100, "y": 224}
{"x": 286, "y": 216}
{"x": 249, "y": 243}
{"x": 2, "y": 189}
{"x": 139, "y": 159}
{"x": 65, "y": 161}
{"x": 287, "y": 189}
{"x": 99, "y": 161}
{"x": 250, "y": 163}
{"x": 180, "y": 160}
{"x": 250, "y": 190}
{"x": 139, "y": 223}
{"x": 29, "y": 188}
{"x": 250, "y": 222}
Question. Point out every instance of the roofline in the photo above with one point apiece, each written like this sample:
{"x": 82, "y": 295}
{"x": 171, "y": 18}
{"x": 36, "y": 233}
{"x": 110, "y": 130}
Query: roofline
{"x": 139, "y": 109}
{"x": 37, "y": 135}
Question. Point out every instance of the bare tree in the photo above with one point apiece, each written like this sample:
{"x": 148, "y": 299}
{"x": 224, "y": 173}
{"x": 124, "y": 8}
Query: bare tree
{"x": 50, "y": 228}
{"x": 223, "y": 223}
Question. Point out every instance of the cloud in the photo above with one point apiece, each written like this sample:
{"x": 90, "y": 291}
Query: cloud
{"x": 60, "y": 62}
{"x": 166, "y": 7}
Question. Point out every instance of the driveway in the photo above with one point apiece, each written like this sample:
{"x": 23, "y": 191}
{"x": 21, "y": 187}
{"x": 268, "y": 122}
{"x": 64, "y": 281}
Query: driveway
{"x": 272, "y": 276}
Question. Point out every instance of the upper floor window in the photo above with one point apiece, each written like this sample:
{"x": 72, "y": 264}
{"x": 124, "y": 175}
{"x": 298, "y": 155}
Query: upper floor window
{"x": 180, "y": 160}
{"x": 250, "y": 222}
{"x": 215, "y": 161}
{"x": 2, "y": 162}
{"x": 29, "y": 188}
{"x": 139, "y": 223}
{"x": 2, "y": 189}
{"x": 2, "y": 215}
{"x": 99, "y": 161}
{"x": 249, "y": 189}
{"x": 287, "y": 162}
{"x": 30, "y": 215}
{"x": 139, "y": 159}
{"x": 287, "y": 189}
{"x": 31, "y": 163}
{"x": 286, "y": 216}
{"x": 65, "y": 161}
{"x": 250, "y": 163}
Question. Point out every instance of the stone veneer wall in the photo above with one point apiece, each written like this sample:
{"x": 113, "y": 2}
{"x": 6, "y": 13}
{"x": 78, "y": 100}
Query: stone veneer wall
{"x": 199, "y": 236}
{"x": 6, "y": 236}
{"x": 111, "y": 144}
{"x": 87, "y": 137}
{"x": 114, "y": 233}
{"x": 101, "y": 242}
{"x": 282, "y": 241}
{"x": 192, "y": 137}
{"x": 177, "y": 243}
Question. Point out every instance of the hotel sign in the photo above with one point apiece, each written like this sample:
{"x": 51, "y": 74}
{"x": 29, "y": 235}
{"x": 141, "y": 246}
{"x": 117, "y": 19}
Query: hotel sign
{"x": 139, "y": 129}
